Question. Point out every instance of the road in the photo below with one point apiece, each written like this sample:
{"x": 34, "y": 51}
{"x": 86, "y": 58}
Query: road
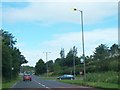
{"x": 39, "y": 83}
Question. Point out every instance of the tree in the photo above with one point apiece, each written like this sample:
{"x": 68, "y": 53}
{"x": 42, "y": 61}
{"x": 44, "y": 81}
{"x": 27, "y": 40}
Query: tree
{"x": 101, "y": 52}
{"x": 71, "y": 56}
{"x": 62, "y": 53}
{"x": 114, "y": 50}
{"x": 74, "y": 51}
{"x": 11, "y": 56}
{"x": 50, "y": 65}
{"x": 27, "y": 69}
{"x": 40, "y": 67}
{"x": 103, "y": 59}
{"x": 57, "y": 69}
{"x": 60, "y": 61}
{"x": 69, "y": 59}
{"x": 6, "y": 63}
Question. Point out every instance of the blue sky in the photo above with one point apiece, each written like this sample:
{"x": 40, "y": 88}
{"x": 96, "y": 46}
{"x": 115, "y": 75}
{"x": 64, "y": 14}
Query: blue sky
{"x": 49, "y": 26}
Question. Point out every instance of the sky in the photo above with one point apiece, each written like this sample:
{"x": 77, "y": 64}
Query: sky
{"x": 48, "y": 26}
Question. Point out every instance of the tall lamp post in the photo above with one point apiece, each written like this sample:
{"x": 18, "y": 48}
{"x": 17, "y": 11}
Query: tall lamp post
{"x": 82, "y": 40}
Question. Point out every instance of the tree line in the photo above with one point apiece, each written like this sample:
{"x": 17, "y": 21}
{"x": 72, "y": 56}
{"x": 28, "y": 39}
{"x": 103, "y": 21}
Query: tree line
{"x": 103, "y": 59}
{"x": 12, "y": 58}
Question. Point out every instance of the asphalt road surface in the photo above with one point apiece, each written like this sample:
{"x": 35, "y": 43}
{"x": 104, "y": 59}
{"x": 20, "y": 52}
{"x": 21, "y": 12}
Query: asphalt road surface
{"x": 39, "y": 83}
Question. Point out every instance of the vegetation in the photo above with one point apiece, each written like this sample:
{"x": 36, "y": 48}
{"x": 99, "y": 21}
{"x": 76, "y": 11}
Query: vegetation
{"x": 105, "y": 80}
{"x": 11, "y": 57}
{"x": 27, "y": 69}
{"x": 102, "y": 85}
{"x": 11, "y": 83}
{"x": 107, "y": 77}
{"x": 40, "y": 67}
{"x": 102, "y": 68}
{"x": 103, "y": 59}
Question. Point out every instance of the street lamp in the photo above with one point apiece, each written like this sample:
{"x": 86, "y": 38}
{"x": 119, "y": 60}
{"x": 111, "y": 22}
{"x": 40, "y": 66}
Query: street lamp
{"x": 82, "y": 40}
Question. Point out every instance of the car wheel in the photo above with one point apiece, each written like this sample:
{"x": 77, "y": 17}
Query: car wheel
{"x": 71, "y": 79}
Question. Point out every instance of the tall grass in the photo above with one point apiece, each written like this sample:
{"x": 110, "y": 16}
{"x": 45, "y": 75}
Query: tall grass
{"x": 106, "y": 86}
{"x": 107, "y": 77}
{"x": 105, "y": 80}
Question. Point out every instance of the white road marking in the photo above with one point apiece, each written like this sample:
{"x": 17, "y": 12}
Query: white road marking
{"x": 47, "y": 87}
{"x": 43, "y": 85}
{"x": 40, "y": 84}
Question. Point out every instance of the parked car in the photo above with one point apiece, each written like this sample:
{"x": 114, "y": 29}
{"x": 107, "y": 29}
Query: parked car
{"x": 27, "y": 77}
{"x": 71, "y": 77}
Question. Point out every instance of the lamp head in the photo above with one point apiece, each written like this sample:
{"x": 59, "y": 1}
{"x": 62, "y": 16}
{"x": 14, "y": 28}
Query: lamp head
{"x": 75, "y": 9}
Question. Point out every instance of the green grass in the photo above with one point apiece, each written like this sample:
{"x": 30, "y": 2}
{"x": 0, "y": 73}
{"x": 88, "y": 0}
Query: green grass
{"x": 105, "y": 80}
{"x": 92, "y": 84}
{"x": 107, "y": 77}
{"x": 11, "y": 83}
{"x": 49, "y": 78}
{"x": 78, "y": 81}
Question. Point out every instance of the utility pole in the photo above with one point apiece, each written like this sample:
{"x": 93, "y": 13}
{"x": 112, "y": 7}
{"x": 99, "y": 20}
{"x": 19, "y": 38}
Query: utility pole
{"x": 46, "y": 53}
{"x": 74, "y": 55}
{"x": 1, "y": 59}
{"x": 10, "y": 60}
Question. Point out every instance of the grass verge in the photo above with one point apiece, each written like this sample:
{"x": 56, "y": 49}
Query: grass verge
{"x": 104, "y": 80}
{"x": 49, "y": 78}
{"x": 106, "y": 86}
{"x": 11, "y": 83}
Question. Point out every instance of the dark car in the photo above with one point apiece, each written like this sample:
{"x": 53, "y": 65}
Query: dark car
{"x": 27, "y": 77}
{"x": 71, "y": 77}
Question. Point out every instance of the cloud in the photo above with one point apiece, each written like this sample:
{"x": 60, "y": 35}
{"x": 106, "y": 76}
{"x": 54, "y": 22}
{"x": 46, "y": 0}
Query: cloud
{"x": 21, "y": 44}
{"x": 35, "y": 55}
{"x": 56, "y": 12}
{"x": 92, "y": 39}
{"x": 52, "y": 12}
{"x": 32, "y": 57}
